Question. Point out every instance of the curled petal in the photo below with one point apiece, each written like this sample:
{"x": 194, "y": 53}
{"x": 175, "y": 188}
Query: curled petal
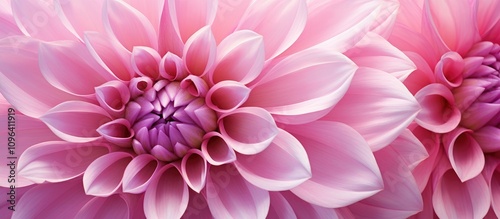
{"x": 352, "y": 172}
{"x": 248, "y": 130}
{"x": 145, "y": 61}
{"x": 196, "y": 86}
{"x": 194, "y": 169}
{"x": 113, "y": 96}
{"x": 281, "y": 166}
{"x": 439, "y": 113}
{"x": 104, "y": 176}
{"x": 227, "y": 96}
{"x": 76, "y": 121}
{"x": 98, "y": 207}
{"x": 449, "y": 69}
{"x": 216, "y": 150}
{"x": 171, "y": 67}
{"x": 199, "y": 52}
{"x": 139, "y": 85}
{"x": 240, "y": 57}
{"x": 139, "y": 173}
{"x": 167, "y": 196}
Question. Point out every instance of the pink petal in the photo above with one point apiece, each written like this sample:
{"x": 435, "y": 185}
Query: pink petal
{"x": 39, "y": 19}
{"x": 479, "y": 114}
{"x": 76, "y": 121}
{"x": 104, "y": 176}
{"x": 31, "y": 95}
{"x": 189, "y": 16}
{"x": 227, "y": 96}
{"x": 281, "y": 166}
{"x": 169, "y": 40}
{"x": 150, "y": 10}
{"x": 455, "y": 199}
{"x": 449, "y": 69}
{"x": 172, "y": 68}
{"x": 439, "y": 113}
{"x": 432, "y": 143}
{"x": 145, "y": 61}
{"x": 280, "y": 208}
{"x": 51, "y": 200}
{"x": 410, "y": 149}
{"x": 240, "y": 57}
{"x": 57, "y": 161}
{"x": 279, "y": 22}
{"x": 196, "y": 86}
{"x": 167, "y": 196}
{"x": 199, "y": 52}
{"x": 79, "y": 17}
{"x": 8, "y": 26}
{"x": 492, "y": 176}
{"x": 230, "y": 196}
{"x": 71, "y": 68}
{"x": 113, "y": 96}
{"x": 109, "y": 207}
{"x": 139, "y": 31}
{"x": 376, "y": 52}
{"x": 216, "y": 150}
{"x": 194, "y": 169}
{"x": 304, "y": 209}
{"x": 248, "y": 130}
{"x": 110, "y": 54}
{"x": 139, "y": 173}
{"x": 377, "y": 105}
{"x": 228, "y": 16}
{"x": 384, "y": 22}
{"x": 4, "y": 206}
{"x": 308, "y": 70}
{"x": 467, "y": 94}
{"x": 352, "y": 172}
{"x": 488, "y": 138}
{"x": 465, "y": 154}
{"x": 197, "y": 207}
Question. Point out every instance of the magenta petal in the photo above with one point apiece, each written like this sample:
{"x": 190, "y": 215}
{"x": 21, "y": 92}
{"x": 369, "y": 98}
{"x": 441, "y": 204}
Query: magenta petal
{"x": 110, "y": 207}
{"x": 167, "y": 196}
{"x": 76, "y": 121}
{"x": 352, "y": 172}
{"x": 280, "y": 208}
{"x": 488, "y": 138}
{"x": 479, "y": 114}
{"x": 145, "y": 61}
{"x": 194, "y": 169}
{"x": 304, "y": 209}
{"x": 227, "y": 96}
{"x": 439, "y": 113}
{"x": 113, "y": 96}
{"x": 104, "y": 176}
{"x": 139, "y": 173}
{"x": 57, "y": 161}
{"x": 281, "y": 166}
{"x": 240, "y": 57}
{"x": 216, "y": 150}
{"x": 230, "y": 196}
{"x": 199, "y": 52}
{"x": 248, "y": 130}
{"x": 465, "y": 154}
{"x": 197, "y": 207}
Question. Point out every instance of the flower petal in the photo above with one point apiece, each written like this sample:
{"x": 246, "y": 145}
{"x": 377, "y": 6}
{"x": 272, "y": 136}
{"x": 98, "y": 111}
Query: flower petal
{"x": 352, "y": 172}
{"x": 78, "y": 17}
{"x": 139, "y": 173}
{"x": 230, "y": 196}
{"x": 240, "y": 57}
{"x": 104, "y": 176}
{"x": 167, "y": 196}
{"x": 194, "y": 169}
{"x": 449, "y": 69}
{"x": 281, "y": 166}
{"x": 145, "y": 62}
{"x": 76, "y": 121}
{"x": 308, "y": 70}
{"x": 113, "y": 96}
{"x": 279, "y": 22}
{"x": 188, "y": 16}
{"x": 227, "y": 96}
{"x": 377, "y": 105}
{"x": 109, "y": 207}
{"x": 479, "y": 114}
{"x": 248, "y": 130}
{"x": 409, "y": 148}
{"x": 280, "y": 208}
{"x": 216, "y": 150}
{"x": 488, "y": 138}
{"x": 199, "y": 52}
{"x": 304, "y": 209}
{"x": 57, "y": 161}
{"x": 197, "y": 207}
{"x": 8, "y": 25}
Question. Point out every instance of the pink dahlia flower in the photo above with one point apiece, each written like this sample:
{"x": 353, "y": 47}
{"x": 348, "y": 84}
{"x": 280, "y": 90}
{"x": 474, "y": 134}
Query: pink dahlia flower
{"x": 225, "y": 109}
{"x": 455, "y": 45}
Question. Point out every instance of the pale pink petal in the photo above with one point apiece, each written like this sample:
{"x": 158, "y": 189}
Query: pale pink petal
{"x": 387, "y": 107}
{"x": 152, "y": 10}
{"x": 240, "y": 57}
{"x": 113, "y": 96}
{"x": 51, "y": 200}
{"x": 309, "y": 69}
{"x": 248, "y": 130}
{"x": 439, "y": 113}
{"x": 449, "y": 69}
{"x": 110, "y": 54}
{"x": 169, "y": 40}
{"x": 229, "y": 195}
{"x": 279, "y": 22}
{"x": 216, "y": 150}
{"x": 228, "y": 16}
{"x": 76, "y": 121}
{"x": 8, "y": 26}
{"x": 31, "y": 95}
{"x": 197, "y": 207}
{"x": 194, "y": 169}
{"x": 465, "y": 154}
{"x": 375, "y": 52}
{"x": 139, "y": 31}
{"x": 145, "y": 62}
{"x": 195, "y": 85}
{"x": 409, "y": 148}
{"x": 39, "y": 19}
{"x": 281, "y": 166}
{"x": 227, "y": 96}
{"x": 455, "y": 199}
{"x": 406, "y": 39}
{"x": 188, "y": 16}
{"x": 487, "y": 18}
{"x": 280, "y": 208}
{"x": 384, "y": 22}
{"x": 432, "y": 143}
{"x": 167, "y": 196}
{"x": 304, "y": 209}
{"x": 488, "y": 138}
{"x": 110, "y": 207}
{"x": 57, "y": 161}
{"x": 103, "y": 177}
{"x": 352, "y": 172}
{"x": 78, "y": 16}
{"x": 70, "y": 67}
{"x": 139, "y": 173}
{"x": 410, "y": 14}
{"x": 200, "y": 51}
{"x": 172, "y": 68}
{"x": 427, "y": 210}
